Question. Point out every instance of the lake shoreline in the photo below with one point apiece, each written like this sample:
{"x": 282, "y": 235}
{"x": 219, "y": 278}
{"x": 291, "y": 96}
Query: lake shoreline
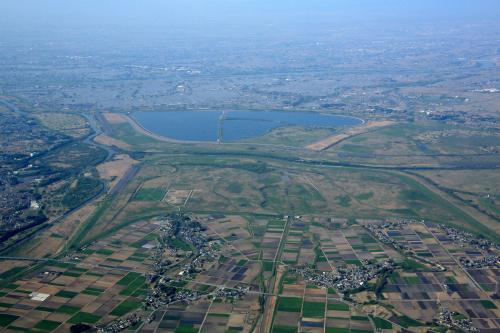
{"x": 213, "y": 126}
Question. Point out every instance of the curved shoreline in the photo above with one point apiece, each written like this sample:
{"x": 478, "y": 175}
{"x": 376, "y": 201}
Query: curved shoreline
{"x": 141, "y": 129}
{"x": 150, "y": 134}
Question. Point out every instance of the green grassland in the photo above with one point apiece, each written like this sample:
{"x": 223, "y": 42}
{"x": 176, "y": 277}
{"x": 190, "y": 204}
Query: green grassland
{"x": 149, "y": 194}
{"x": 338, "y": 306}
{"x": 289, "y": 304}
{"x": 424, "y": 142}
{"x": 257, "y": 181}
{"x": 284, "y": 329}
{"x": 73, "y": 156}
{"x": 83, "y": 189}
{"x": 382, "y": 323}
{"x": 313, "y": 309}
{"x": 245, "y": 185}
{"x": 294, "y": 136}
{"x": 6, "y": 319}
{"x": 84, "y": 317}
{"x": 125, "y": 307}
{"x": 47, "y": 325}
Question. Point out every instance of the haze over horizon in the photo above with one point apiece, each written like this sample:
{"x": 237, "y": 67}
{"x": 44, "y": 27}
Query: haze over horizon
{"x": 249, "y": 166}
{"x": 227, "y": 17}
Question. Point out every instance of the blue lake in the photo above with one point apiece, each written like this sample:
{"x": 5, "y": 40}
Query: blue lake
{"x": 231, "y": 126}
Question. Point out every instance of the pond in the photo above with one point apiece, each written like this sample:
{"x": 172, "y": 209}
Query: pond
{"x": 230, "y": 126}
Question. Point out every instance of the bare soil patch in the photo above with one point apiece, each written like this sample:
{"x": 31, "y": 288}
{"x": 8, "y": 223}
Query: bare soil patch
{"x": 113, "y": 170}
{"x": 109, "y": 141}
{"x": 115, "y": 118}
{"x": 334, "y": 139}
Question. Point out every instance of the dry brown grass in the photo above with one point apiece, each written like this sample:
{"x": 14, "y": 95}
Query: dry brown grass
{"x": 155, "y": 182}
{"x": 109, "y": 141}
{"x": 114, "y": 170}
{"x": 334, "y": 139}
{"x": 115, "y": 118}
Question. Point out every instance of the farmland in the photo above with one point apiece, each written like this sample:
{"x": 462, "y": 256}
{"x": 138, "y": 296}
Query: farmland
{"x": 291, "y": 245}
{"x": 284, "y": 178}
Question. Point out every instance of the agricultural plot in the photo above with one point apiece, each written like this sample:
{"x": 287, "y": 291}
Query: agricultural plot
{"x": 65, "y": 294}
{"x": 418, "y": 313}
{"x": 208, "y": 315}
{"x": 485, "y": 278}
{"x": 337, "y": 250}
{"x": 455, "y": 249}
{"x": 365, "y": 246}
{"x": 106, "y": 280}
{"x": 235, "y": 231}
{"x": 420, "y": 291}
{"x": 273, "y": 232}
{"x": 420, "y": 242}
{"x": 91, "y": 287}
{"x": 298, "y": 246}
{"x": 230, "y": 273}
{"x": 304, "y": 308}
{"x": 429, "y": 286}
{"x": 410, "y": 298}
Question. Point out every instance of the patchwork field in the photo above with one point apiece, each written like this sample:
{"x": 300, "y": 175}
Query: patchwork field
{"x": 291, "y": 242}
{"x": 107, "y": 280}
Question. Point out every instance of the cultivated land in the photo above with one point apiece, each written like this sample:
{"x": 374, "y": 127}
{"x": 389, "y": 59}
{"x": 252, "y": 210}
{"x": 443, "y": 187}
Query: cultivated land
{"x": 270, "y": 213}
{"x": 389, "y": 226}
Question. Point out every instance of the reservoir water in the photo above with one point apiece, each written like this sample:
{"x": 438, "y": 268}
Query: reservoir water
{"x": 230, "y": 126}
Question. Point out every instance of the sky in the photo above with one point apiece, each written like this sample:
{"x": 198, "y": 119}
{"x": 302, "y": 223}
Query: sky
{"x": 36, "y": 14}
{"x": 222, "y": 17}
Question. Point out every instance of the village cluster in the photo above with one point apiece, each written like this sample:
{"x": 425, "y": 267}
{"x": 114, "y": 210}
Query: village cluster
{"x": 379, "y": 231}
{"x": 453, "y": 320}
{"x": 346, "y": 278}
{"x": 467, "y": 238}
{"x": 203, "y": 250}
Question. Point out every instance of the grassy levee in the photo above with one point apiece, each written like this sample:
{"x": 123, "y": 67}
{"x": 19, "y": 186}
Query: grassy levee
{"x": 485, "y": 207}
{"x": 137, "y": 217}
{"x": 85, "y": 228}
{"x": 471, "y": 223}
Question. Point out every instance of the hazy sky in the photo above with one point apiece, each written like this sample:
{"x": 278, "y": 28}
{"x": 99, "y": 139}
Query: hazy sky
{"x": 119, "y": 21}
{"x": 36, "y": 14}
